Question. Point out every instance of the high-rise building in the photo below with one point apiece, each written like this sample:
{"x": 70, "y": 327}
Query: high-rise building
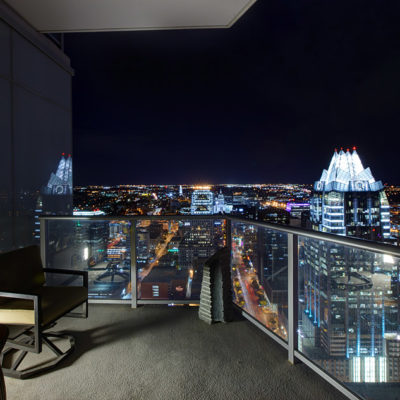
{"x": 197, "y": 243}
{"x": 219, "y": 206}
{"x": 90, "y": 242}
{"x": 347, "y": 200}
{"x": 272, "y": 270}
{"x": 349, "y": 311}
{"x": 202, "y": 202}
{"x": 143, "y": 245}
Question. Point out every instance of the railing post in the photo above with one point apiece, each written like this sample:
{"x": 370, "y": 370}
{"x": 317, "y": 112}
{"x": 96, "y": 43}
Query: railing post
{"x": 43, "y": 241}
{"x": 133, "y": 263}
{"x": 293, "y": 251}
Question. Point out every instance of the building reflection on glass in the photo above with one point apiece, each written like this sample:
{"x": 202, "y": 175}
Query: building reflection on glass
{"x": 100, "y": 247}
{"x": 56, "y": 197}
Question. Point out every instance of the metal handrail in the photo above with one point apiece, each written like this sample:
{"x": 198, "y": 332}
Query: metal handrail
{"x": 342, "y": 240}
{"x": 329, "y": 237}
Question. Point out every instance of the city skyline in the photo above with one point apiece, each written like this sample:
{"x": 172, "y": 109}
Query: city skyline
{"x": 116, "y": 140}
{"x": 264, "y": 101}
{"x": 206, "y": 184}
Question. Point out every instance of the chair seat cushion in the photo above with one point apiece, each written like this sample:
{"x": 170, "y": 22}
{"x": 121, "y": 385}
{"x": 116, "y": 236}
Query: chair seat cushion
{"x": 55, "y": 302}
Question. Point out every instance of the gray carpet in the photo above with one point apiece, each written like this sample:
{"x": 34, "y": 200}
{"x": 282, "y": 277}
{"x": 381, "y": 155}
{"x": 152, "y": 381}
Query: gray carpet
{"x": 159, "y": 352}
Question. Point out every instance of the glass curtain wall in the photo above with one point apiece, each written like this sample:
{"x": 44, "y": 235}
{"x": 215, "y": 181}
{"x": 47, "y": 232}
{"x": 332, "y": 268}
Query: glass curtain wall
{"x": 36, "y": 134}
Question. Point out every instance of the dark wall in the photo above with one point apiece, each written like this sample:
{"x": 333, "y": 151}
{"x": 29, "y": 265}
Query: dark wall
{"x": 35, "y": 128}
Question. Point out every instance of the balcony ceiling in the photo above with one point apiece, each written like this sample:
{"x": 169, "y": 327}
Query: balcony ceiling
{"x": 126, "y": 15}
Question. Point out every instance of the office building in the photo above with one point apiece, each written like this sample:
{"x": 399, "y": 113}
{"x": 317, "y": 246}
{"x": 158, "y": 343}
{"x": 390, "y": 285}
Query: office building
{"x": 202, "y": 202}
{"x": 349, "y": 310}
{"x": 347, "y": 200}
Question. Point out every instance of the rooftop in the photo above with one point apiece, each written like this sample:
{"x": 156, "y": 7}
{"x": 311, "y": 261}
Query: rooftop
{"x": 346, "y": 173}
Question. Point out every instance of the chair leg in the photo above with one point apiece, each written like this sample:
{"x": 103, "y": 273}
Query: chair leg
{"x": 19, "y": 360}
{"x": 14, "y": 372}
{"x": 52, "y": 346}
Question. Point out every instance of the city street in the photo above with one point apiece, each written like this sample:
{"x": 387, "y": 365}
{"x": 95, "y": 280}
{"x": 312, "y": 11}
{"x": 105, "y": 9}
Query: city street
{"x": 160, "y": 251}
{"x": 266, "y": 314}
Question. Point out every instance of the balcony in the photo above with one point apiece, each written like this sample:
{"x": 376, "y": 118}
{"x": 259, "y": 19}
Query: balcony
{"x": 158, "y": 352}
{"x": 330, "y": 302}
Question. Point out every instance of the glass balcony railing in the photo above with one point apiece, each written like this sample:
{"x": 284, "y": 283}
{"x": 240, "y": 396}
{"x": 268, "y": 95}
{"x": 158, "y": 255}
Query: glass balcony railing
{"x": 170, "y": 255}
{"x": 333, "y": 302}
{"x": 158, "y": 260}
{"x": 348, "y": 314}
{"x": 100, "y": 246}
{"x": 259, "y": 266}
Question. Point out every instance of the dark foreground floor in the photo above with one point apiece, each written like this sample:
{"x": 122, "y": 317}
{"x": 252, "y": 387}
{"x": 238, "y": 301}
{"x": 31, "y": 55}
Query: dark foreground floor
{"x": 160, "y": 352}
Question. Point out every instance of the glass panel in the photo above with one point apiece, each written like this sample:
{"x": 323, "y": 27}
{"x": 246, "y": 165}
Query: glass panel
{"x": 41, "y": 74}
{"x": 5, "y": 64}
{"x": 170, "y": 255}
{"x": 98, "y": 246}
{"x": 349, "y": 315}
{"x": 260, "y": 274}
{"x": 6, "y": 219}
{"x": 43, "y": 173}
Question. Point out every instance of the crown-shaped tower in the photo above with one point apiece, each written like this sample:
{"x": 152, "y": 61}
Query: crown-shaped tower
{"x": 347, "y": 174}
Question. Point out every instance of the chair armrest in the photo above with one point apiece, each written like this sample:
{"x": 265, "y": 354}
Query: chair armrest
{"x": 69, "y": 272}
{"x": 26, "y": 296}
{"x": 23, "y": 296}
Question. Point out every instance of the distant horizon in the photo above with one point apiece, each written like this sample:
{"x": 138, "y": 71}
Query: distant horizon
{"x": 212, "y": 184}
{"x": 197, "y": 184}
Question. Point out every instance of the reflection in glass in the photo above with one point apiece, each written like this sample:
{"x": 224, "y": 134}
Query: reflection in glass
{"x": 349, "y": 314}
{"x": 170, "y": 255}
{"x": 98, "y": 246}
{"x": 260, "y": 274}
{"x": 35, "y": 127}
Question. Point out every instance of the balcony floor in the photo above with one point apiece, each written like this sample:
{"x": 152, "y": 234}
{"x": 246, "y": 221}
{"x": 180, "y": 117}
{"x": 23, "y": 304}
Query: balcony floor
{"x": 160, "y": 352}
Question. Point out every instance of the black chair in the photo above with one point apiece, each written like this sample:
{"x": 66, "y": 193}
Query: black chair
{"x": 26, "y": 302}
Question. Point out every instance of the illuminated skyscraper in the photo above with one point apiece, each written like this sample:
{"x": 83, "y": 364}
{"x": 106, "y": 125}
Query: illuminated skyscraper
{"x": 219, "y": 206}
{"x": 202, "y": 202}
{"x": 197, "y": 243}
{"x": 349, "y": 311}
{"x": 348, "y": 201}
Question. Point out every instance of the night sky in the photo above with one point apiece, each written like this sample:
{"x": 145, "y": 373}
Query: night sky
{"x": 265, "y": 101}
